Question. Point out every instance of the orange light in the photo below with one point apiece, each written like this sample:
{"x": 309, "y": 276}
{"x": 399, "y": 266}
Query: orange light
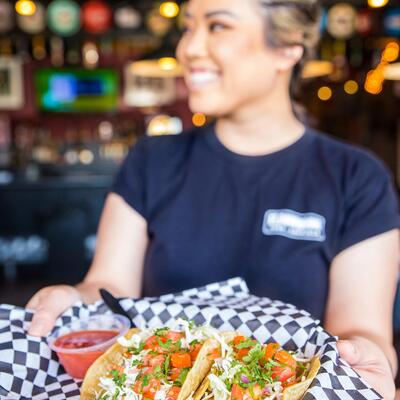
{"x": 199, "y": 119}
{"x": 324, "y": 93}
{"x": 351, "y": 87}
{"x": 391, "y": 52}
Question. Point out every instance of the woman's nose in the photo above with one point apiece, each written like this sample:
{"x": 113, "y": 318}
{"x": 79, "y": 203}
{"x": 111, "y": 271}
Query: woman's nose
{"x": 196, "y": 44}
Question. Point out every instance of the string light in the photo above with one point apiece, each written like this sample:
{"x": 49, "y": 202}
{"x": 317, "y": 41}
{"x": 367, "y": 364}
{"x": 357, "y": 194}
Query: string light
{"x": 351, "y": 87}
{"x": 391, "y": 52}
{"x": 199, "y": 119}
{"x": 167, "y": 63}
{"x": 25, "y": 7}
{"x": 377, "y": 3}
{"x": 374, "y": 81}
{"x": 324, "y": 93}
{"x": 169, "y": 9}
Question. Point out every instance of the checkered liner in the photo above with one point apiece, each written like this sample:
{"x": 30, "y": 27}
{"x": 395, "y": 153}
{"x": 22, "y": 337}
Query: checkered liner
{"x": 29, "y": 369}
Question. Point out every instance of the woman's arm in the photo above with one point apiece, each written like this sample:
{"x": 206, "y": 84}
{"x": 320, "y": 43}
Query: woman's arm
{"x": 117, "y": 266}
{"x": 363, "y": 281}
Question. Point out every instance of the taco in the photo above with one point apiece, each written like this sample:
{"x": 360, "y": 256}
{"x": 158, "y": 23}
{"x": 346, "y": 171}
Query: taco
{"x": 251, "y": 371}
{"x": 157, "y": 364}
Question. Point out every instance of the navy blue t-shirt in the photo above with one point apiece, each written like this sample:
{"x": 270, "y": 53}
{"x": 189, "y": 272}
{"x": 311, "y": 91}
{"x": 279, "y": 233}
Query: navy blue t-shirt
{"x": 277, "y": 220}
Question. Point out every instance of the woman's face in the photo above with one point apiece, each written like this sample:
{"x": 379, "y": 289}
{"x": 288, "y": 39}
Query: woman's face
{"x": 227, "y": 64}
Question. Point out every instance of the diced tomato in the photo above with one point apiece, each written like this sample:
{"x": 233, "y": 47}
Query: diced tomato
{"x": 285, "y": 358}
{"x": 282, "y": 373}
{"x": 236, "y": 392}
{"x": 255, "y": 393}
{"x": 242, "y": 353}
{"x": 270, "y": 350}
{"x": 151, "y": 343}
{"x": 194, "y": 350}
{"x": 150, "y": 390}
{"x": 174, "y": 336}
{"x": 238, "y": 339}
{"x": 146, "y": 371}
{"x": 137, "y": 387}
{"x": 173, "y": 393}
{"x": 154, "y": 360}
{"x": 181, "y": 360}
{"x": 174, "y": 373}
{"x": 214, "y": 354}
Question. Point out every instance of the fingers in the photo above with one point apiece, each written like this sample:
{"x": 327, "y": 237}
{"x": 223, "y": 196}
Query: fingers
{"x": 49, "y": 303}
{"x": 349, "y": 352}
{"x": 34, "y": 301}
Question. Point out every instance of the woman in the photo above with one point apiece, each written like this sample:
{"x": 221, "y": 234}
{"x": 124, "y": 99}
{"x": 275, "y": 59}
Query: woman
{"x": 257, "y": 194}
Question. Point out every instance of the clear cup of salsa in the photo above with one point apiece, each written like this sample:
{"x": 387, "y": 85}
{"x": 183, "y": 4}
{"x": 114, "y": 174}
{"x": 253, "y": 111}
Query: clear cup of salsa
{"x": 79, "y": 343}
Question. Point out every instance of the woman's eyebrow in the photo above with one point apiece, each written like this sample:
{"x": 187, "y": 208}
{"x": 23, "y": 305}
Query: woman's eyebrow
{"x": 215, "y": 13}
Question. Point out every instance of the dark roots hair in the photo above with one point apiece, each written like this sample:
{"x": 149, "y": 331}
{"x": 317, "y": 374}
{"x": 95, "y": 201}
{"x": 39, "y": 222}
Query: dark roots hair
{"x": 290, "y": 23}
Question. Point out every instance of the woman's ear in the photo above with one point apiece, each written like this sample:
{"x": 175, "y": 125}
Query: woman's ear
{"x": 290, "y": 56}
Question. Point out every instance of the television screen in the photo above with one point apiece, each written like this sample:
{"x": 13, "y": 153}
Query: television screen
{"x": 76, "y": 90}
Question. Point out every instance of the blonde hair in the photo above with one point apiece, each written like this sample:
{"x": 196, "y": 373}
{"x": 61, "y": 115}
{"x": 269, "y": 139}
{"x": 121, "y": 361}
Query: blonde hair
{"x": 291, "y": 23}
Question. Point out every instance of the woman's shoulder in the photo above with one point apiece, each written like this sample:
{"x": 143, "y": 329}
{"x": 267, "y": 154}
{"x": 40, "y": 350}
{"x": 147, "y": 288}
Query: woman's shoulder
{"x": 350, "y": 158}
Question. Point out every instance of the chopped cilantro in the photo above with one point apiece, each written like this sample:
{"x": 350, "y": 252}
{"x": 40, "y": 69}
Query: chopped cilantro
{"x": 136, "y": 350}
{"x": 166, "y": 345}
{"x": 161, "y": 331}
{"x": 181, "y": 377}
{"x": 255, "y": 354}
{"x": 245, "y": 344}
{"x": 165, "y": 365}
{"x": 146, "y": 380}
{"x": 118, "y": 378}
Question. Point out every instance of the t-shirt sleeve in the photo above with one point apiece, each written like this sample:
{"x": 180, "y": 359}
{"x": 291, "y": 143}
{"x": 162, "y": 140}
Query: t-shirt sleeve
{"x": 371, "y": 202}
{"x": 130, "y": 182}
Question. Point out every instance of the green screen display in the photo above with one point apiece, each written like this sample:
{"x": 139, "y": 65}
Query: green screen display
{"x": 76, "y": 90}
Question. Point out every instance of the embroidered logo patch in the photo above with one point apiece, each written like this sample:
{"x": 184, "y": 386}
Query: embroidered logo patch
{"x": 294, "y": 225}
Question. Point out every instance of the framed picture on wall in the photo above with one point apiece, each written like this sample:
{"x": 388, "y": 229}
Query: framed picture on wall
{"x": 11, "y": 83}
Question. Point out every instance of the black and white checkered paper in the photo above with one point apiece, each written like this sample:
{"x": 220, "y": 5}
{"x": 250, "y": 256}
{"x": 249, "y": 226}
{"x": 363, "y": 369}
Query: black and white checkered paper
{"x": 30, "y": 370}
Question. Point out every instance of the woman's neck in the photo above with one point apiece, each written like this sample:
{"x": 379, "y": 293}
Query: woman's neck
{"x": 261, "y": 129}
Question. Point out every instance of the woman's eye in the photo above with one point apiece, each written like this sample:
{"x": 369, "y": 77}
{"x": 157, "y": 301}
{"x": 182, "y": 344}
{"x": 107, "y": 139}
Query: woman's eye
{"x": 216, "y": 27}
{"x": 185, "y": 29}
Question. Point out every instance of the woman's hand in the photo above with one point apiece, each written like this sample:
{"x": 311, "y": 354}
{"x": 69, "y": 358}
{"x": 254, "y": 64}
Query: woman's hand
{"x": 48, "y": 303}
{"x": 118, "y": 265}
{"x": 371, "y": 363}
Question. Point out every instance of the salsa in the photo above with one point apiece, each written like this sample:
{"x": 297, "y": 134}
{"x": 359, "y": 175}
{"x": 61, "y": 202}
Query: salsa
{"x": 76, "y": 363}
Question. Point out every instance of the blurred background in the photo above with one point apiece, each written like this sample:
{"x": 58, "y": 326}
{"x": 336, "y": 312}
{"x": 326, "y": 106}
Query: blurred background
{"x": 80, "y": 81}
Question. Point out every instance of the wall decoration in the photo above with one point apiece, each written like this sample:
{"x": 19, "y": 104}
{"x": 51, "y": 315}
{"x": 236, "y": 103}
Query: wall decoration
{"x": 64, "y": 17}
{"x": 96, "y": 16}
{"x": 391, "y": 22}
{"x": 127, "y": 17}
{"x": 11, "y": 87}
{"x": 341, "y": 21}
{"x": 34, "y": 23}
{"x": 6, "y": 16}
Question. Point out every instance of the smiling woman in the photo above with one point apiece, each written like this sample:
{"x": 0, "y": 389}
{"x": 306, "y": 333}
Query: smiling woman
{"x": 304, "y": 218}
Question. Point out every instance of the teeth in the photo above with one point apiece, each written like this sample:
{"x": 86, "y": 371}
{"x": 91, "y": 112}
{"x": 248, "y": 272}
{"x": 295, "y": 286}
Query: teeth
{"x": 200, "y": 78}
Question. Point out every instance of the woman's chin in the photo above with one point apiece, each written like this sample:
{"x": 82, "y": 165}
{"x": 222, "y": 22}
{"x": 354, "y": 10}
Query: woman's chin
{"x": 205, "y": 106}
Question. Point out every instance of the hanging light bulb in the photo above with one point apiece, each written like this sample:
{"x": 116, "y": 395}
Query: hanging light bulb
{"x": 169, "y": 9}
{"x": 377, "y": 3}
{"x": 25, "y": 7}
